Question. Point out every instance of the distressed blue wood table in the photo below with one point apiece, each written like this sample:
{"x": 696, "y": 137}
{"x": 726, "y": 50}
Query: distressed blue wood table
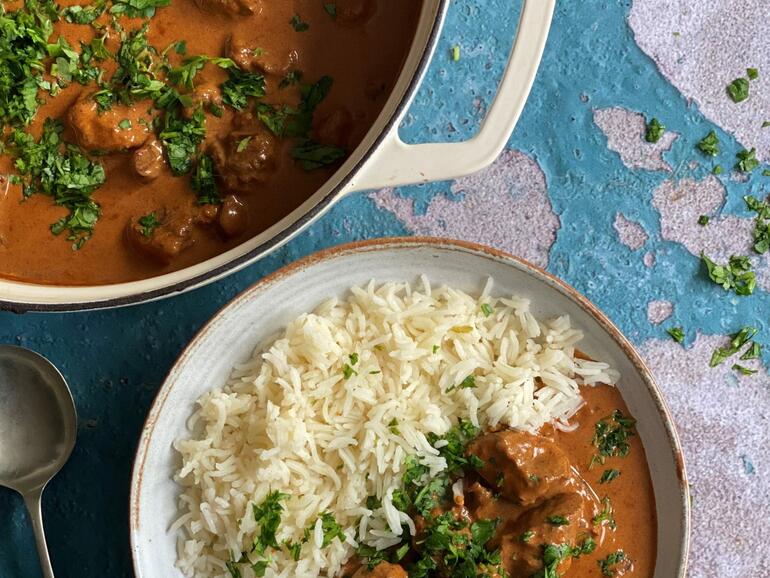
{"x": 578, "y": 191}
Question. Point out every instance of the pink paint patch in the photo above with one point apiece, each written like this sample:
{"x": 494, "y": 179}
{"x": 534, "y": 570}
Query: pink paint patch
{"x": 659, "y": 311}
{"x": 722, "y": 420}
{"x": 631, "y": 234}
{"x": 649, "y": 259}
{"x": 625, "y": 135}
{"x": 505, "y": 206}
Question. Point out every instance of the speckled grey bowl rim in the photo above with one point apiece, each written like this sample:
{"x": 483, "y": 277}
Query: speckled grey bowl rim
{"x": 406, "y": 243}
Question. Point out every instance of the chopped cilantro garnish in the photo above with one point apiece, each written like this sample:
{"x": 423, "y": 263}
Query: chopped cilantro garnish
{"x": 137, "y": 8}
{"x": 552, "y": 556}
{"x": 609, "y": 475}
{"x": 348, "y": 371}
{"x": 149, "y": 223}
{"x": 353, "y": 358}
{"x": 709, "y": 144}
{"x": 298, "y": 24}
{"x": 181, "y": 137}
{"x": 233, "y": 568}
{"x": 703, "y": 220}
{"x": 586, "y": 547}
{"x": 292, "y": 77}
{"x": 268, "y": 518}
{"x": 312, "y": 155}
{"x": 486, "y": 309}
{"x": 84, "y": 15}
{"x": 61, "y": 171}
{"x": 736, "y": 343}
{"x": 242, "y": 144}
{"x": 676, "y": 333}
{"x": 761, "y": 232}
{"x": 738, "y": 89}
{"x": 331, "y": 9}
{"x": 752, "y": 73}
{"x": 526, "y": 536}
{"x": 204, "y": 184}
{"x": 606, "y": 515}
{"x": 124, "y": 124}
{"x": 467, "y": 383}
{"x": 331, "y": 529}
{"x": 393, "y": 427}
{"x": 736, "y": 275}
{"x": 717, "y": 170}
{"x": 611, "y": 436}
{"x": 743, "y": 370}
{"x": 747, "y": 160}
{"x": 654, "y": 131}
{"x": 754, "y": 351}
{"x": 241, "y": 85}
{"x": 557, "y": 520}
{"x": 607, "y": 565}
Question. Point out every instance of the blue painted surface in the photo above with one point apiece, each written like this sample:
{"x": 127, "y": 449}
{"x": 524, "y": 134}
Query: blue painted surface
{"x": 115, "y": 360}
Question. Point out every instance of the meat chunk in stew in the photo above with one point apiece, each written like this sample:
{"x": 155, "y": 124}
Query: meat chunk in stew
{"x": 355, "y": 11}
{"x": 525, "y": 467}
{"x": 256, "y": 56}
{"x": 247, "y": 156}
{"x": 119, "y": 128}
{"x": 335, "y": 128}
{"x": 556, "y": 521}
{"x": 232, "y": 7}
{"x": 382, "y": 570}
{"x": 148, "y": 160}
{"x": 164, "y": 234}
{"x": 233, "y": 216}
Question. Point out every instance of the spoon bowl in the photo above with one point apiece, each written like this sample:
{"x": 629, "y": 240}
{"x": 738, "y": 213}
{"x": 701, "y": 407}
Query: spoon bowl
{"x": 38, "y": 427}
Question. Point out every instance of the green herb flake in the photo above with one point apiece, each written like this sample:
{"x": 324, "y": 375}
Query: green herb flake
{"x": 240, "y": 86}
{"x": 737, "y": 341}
{"x": 743, "y": 370}
{"x": 703, "y": 220}
{"x": 467, "y": 383}
{"x": 609, "y": 475}
{"x": 124, "y": 124}
{"x": 736, "y": 276}
{"x": 348, "y": 371}
{"x": 752, "y": 73}
{"x": 747, "y": 160}
{"x": 526, "y": 536}
{"x": 557, "y": 520}
{"x": 765, "y": 123}
{"x": 654, "y": 131}
{"x": 738, "y": 89}
{"x": 606, "y": 515}
{"x": 204, "y": 183}
{"x": 611, "y": 435}
{"x": 717, "y": 170}
{"x": 676, "y": 333}
{"x": 586, "y": 547}
{"x": 298, "y": 24}
{"x": 243, "y": 144}
{"x": 608, "y": 564}
{"x": 709, "y": 144}
{"x": 268, "y": 518}
{"x": 148, "y": 224}
{"x": 393, "y": 427}
{"x": 331, "y": 9}
{"x": 754, "y": 351}
{"x": 455, "y": 53}
{"x": 486, "y": 309}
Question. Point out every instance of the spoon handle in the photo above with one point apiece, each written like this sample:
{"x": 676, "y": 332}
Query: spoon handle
{"x": 33, "y": 502}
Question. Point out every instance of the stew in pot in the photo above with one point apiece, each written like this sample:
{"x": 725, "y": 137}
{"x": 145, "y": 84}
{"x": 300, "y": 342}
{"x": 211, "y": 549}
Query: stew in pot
{"x": 144, "y": 136}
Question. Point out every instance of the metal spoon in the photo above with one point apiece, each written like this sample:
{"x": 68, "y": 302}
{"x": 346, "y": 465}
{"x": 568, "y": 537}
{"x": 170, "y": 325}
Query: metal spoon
{"x": 37, "y": 431}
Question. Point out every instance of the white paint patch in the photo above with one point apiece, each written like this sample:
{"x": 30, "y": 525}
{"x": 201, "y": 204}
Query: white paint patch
{"x": 625, "y": 130}
{"x": 700, "y": 47}
{"x": 506, "y": 206}
{"x": 630, "y": 233}
{"x": 659, "y": 311}
{"x": 723, "y": 423}
{"x": 681, "y": 203}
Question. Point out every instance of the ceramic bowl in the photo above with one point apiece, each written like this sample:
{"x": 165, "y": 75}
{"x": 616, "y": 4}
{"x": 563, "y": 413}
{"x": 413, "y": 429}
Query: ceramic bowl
{"x": 260, "y": 312}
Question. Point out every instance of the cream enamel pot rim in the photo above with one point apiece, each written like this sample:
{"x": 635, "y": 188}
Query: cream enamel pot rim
{"x": 262, "y": 311}
{"x": 381, "y": 160}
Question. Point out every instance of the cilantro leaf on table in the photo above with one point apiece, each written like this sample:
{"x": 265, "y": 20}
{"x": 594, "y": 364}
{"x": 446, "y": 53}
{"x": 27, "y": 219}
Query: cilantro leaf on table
{"x": 736, "y": 275}
{"x": 654, "y": 131}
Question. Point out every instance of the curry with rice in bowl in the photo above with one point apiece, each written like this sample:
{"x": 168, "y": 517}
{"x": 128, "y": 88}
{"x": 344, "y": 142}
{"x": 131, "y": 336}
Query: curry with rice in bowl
{"x": 144, "y": 136}
{"x": 408, "y": 431}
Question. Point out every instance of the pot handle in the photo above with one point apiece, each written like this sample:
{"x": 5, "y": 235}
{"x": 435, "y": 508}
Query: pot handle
{"x": 396, "y": 163}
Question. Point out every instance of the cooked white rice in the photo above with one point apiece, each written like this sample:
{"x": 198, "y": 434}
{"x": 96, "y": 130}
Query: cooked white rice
{"x": 290, "y": 420}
